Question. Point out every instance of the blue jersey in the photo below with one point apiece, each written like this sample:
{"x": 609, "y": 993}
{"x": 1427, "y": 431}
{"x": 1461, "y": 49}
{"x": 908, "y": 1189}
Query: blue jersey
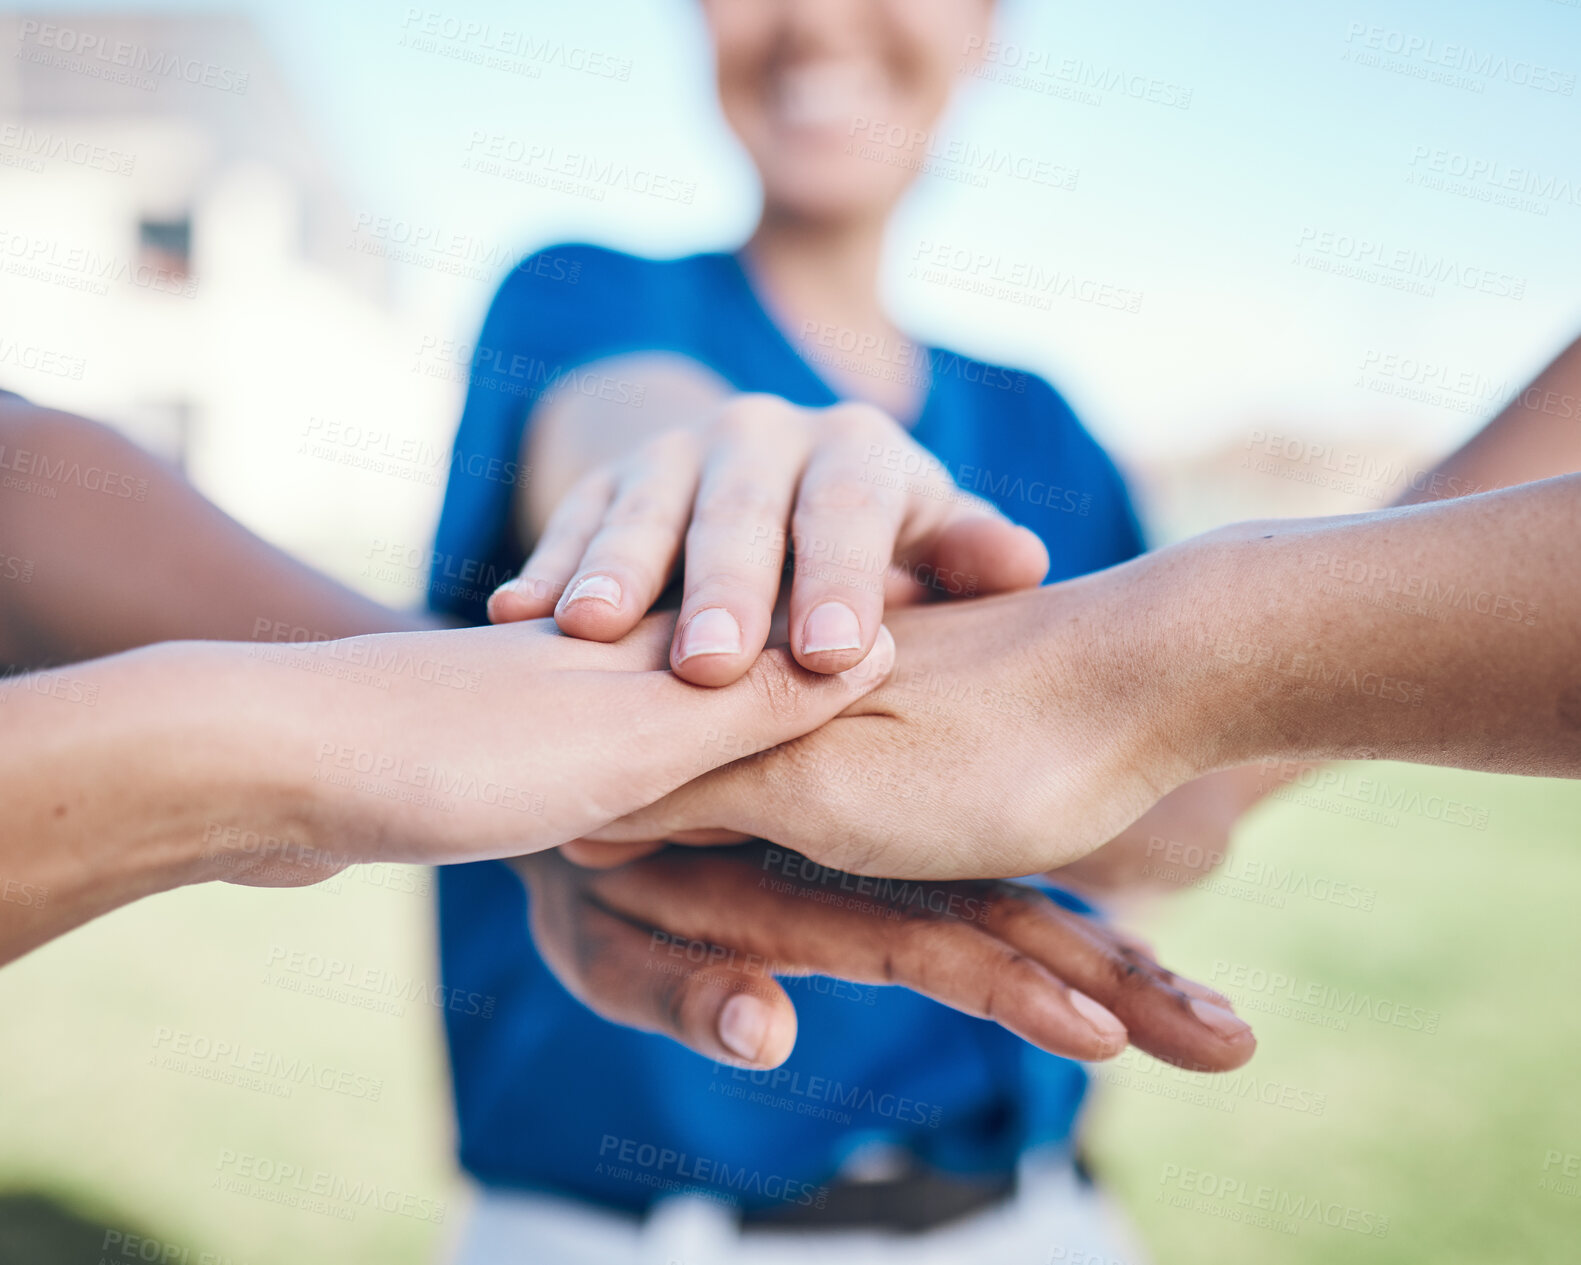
{"x": 548, "y": 1095}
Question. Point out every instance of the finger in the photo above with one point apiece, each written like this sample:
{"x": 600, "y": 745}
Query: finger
{"x": 1169, "y": 1017}
{"x": 843, "y": 532}
{"x": 735, "y": 547}
{"x": 535, "y": 591}
{"x": 975, "y": 554}
{"x": 863, "y": 936}
{"x": 629, "y": 559}
{"x": 775, "y": 701}
{"x": 724, "y": 1005}
{"x": 592, "y": 855}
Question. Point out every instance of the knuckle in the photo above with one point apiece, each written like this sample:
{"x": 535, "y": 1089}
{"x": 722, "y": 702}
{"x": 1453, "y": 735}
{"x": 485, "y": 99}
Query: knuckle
{"x": 750, "y": 418}
{"x": 841, "y": 499}
{"x": 737, "y": 501}
{"x": 778, "y": 688}
{"x": 853, "y": 418}
{"x": 670, "y": 447}
{"x": 642, "y": 508}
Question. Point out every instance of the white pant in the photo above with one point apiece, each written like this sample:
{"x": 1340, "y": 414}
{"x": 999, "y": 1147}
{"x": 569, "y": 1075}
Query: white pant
{"x": 1053, "y": 1219}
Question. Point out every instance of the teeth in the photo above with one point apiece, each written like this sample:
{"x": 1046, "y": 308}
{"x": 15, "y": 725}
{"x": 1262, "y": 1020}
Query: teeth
{"x": 828, "y": 93}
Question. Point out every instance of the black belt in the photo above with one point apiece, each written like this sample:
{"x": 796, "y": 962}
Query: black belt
{"x": 921, "y": 1200}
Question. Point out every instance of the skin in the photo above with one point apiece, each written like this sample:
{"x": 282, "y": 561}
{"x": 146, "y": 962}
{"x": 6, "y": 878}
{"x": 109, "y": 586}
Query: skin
{"x": 1211, "y": 654}
{"x": 129, "y": 775}
{"x": 729, "y": 482}
{"x": 162, "y": 766}
{"x": 995, "y": 950}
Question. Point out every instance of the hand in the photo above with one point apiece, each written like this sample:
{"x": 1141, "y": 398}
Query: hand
{"x": 486, "y": 742}
{"x": 1017, "y": 734}
{"x": 687, "y": 942}
{"x": 867, "y": 510}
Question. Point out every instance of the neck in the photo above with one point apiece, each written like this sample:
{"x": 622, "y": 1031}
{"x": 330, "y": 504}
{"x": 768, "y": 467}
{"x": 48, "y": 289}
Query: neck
{"x": 818, "y": 270}
{"x": 819, "y": 281}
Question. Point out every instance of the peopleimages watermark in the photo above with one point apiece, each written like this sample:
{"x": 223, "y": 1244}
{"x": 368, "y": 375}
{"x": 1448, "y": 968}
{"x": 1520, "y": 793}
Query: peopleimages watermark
{"x": 58, "y": 685}
{"x": 26, "y": 895}
{"x": 379, "y": 989}
{"x": 1218, "y": 1091}
{"x": 1315, "y": 674}
{"x": 1227, "y": 873}
{"x": 967, "y": 482}
{"x": 417, "y": 783}
{"x": 1016, "y": 282}
{"x": 1561, "y": 1173}
{"x": 1069, "y": 78}
{"x": 571, "y": 172}
{"x": 1351, "y": 471}
{"x": 443, "y": 574}
{"x": 1262, "y": 1205}
{"x": 84, "y": 269}
{"x": 1311, "y": 1001}
{"x": 1397, "y": 267}
{"x": 317, "y": 1189}
{"x": 1366, "y": 796}
{"x": 1479, "y": 178}
{"x": 1446, "y": 62}
{"x": 28, "y": 470}
{"x": 960, "y": 159}
{"x": 119, "y": 61}
{"x": 510, "y": 372}
{"x": 1426, "y": 381}
{"x": 1420, "y": 594}
{"x": 819, "y": 1097}
{"x": 242, "y": 1065}
{"x": 663, "y": 1168}
{"x": 49, "y": 361}
{"x": 788, "y": 872}
{"x": 119, "y": 1245}
{"x": 517, "y": 52}
{"x": 25, "y": 146}
{"x": 431, "y": 247}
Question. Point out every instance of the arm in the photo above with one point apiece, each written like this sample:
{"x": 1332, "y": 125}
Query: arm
{"x": 1445, "y": 633}
{"x": 120, "y": 551}
{"x": 280, "y": 765}
{"x": 1537, "y": 436}
{"x": 740, "y": 484}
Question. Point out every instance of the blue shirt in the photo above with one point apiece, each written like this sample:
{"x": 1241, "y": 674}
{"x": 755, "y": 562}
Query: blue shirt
{"x": 548, "y": 1095}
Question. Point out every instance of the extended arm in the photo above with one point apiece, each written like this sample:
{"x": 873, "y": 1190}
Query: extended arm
{"x": 106, "y": 548}
{"x": 1447, "y": 633}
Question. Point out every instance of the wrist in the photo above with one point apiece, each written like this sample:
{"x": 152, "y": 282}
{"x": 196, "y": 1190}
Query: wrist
{"x": 1180, "y": 635}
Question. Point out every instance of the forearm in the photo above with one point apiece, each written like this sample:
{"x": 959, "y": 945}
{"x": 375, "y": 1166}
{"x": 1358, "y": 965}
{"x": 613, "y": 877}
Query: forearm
{"x": 116, "y": 772}
{"x": 1441, "y": 634}
{"x": 117, "y": 550}
{"x": 1536, "y": 436}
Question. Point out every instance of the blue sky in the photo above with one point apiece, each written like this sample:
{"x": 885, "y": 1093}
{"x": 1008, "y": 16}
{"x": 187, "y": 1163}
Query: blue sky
{"x": 1308, "y": 145}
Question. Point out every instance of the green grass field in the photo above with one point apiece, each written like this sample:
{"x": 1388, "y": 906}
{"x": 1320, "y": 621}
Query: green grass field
{"x": 1418, "y": 1061}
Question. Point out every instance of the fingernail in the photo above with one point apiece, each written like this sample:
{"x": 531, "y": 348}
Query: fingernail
{"x": 1224, "y": 1022}
{"x": 743, "y": 1023}
{"x": 831, "y": 626}
{"x": 598, "y": 588}
{"x": 711, "y": 631}
{"x": 1103, "y": 1021}
{"x": 880, "y": 659}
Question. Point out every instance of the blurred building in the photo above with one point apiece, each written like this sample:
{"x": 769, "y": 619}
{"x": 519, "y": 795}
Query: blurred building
{"x": 178, "y": 256}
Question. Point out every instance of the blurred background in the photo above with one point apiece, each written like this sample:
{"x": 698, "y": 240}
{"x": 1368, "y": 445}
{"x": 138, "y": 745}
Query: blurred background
{"x": 1292, "y": 256}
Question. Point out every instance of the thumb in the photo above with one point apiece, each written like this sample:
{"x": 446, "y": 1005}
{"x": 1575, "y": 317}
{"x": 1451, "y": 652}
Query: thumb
{"x": 775, "y": 701}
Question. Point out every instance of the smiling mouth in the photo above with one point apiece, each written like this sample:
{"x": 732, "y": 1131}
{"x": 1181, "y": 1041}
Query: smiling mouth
{"x": 825, "y": 96}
